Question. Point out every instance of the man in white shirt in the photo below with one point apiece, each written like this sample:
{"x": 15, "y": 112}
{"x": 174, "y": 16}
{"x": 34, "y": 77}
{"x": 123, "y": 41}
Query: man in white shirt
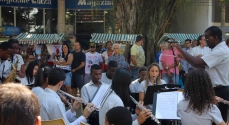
{"x": 135, "y": 85}
{"x": 16, "y": 57}
{"x": 107, "y": 76}
{"x": 227, "y": 42}
{"x": 5, "y": 52}
{"x": 92, "y": 57}
{"x": 216, "y": 63}
{"x": 51, "y": 105}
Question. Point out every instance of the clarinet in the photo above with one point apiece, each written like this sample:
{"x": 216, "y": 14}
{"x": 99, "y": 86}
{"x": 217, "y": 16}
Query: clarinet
{"x": 143, "y": 108}
{"x": 73, "y": 97}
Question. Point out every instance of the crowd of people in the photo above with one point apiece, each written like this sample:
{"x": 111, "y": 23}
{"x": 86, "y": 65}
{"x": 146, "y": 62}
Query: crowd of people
{"x": 202, "y": 65}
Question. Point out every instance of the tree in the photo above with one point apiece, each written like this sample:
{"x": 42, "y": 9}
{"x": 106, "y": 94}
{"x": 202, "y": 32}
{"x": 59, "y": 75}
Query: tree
{"x": 151, "y": 18}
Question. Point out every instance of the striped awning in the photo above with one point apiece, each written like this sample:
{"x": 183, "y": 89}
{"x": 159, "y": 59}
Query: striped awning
{"x": 103, "y": 38}
{"x": 180, "y": 37}
{"x": 25, "y": 38}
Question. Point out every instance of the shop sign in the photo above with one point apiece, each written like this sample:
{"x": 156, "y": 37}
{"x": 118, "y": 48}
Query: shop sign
{"x": 89, "y": 4}
{"x": 9, "y": 30}
{"x": 30, "y": 3}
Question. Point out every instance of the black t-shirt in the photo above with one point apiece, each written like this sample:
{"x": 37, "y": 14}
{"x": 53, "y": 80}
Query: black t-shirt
{"x": 78, "y": 57}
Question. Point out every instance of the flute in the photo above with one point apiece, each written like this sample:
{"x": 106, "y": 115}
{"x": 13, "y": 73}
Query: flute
{"x": 61, "y": 96}
{"x": 222, "y": 101}
{"x": 143, "y": 108}
{"x": 73, "y": 97}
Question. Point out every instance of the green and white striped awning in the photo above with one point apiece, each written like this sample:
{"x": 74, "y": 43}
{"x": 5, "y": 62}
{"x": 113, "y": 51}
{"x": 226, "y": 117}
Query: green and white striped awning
{"x": 180, "y": 37}
{"x": 25, "y": 38}
{"x": 103, "y": 38}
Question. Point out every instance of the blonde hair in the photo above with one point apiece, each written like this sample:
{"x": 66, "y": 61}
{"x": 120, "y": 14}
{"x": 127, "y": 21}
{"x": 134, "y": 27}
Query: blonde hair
{"x": 158, "y": 79}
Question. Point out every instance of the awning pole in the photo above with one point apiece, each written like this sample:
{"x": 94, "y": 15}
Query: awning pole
{"x": 44, "y": 21}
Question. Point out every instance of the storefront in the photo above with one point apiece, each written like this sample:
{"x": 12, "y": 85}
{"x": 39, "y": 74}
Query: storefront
{"x": 41, "y": 16}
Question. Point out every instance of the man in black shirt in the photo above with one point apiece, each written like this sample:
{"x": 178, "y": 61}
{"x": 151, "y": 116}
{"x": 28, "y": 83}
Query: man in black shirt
{"x": 77, "y": 61}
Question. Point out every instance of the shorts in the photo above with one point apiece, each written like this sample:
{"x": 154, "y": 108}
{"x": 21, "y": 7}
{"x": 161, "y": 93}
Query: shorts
{"x": 68, "y": 79}
{"x": 77, "y": 81}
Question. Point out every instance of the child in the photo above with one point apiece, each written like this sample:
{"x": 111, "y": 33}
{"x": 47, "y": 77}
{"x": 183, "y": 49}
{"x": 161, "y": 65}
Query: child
{"x": 198, "y": 105}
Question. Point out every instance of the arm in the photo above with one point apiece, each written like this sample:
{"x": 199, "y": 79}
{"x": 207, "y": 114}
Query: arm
{"x": 21, "y": 73}
{"x": 79, "y": 67}
{"x": 141, "y": 96}
{"x": 194, "y": 61}
{"x": 132, "y": 57}
{"x": 69, "y": 62}
{"x": 222, "y": 123}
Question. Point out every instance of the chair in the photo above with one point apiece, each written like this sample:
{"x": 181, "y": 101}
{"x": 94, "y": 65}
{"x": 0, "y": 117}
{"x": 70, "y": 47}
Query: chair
{"x": 53, "y": 122}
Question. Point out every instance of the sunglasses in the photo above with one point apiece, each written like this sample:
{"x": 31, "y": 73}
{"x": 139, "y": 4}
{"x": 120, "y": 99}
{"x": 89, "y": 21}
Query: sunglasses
{"x": 92, "y": 46}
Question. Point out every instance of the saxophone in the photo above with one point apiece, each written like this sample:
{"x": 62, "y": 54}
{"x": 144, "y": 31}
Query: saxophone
{"x": 13, "y": 75}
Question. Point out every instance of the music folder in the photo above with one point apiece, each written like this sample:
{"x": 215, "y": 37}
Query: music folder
{"x": 165, "y": 105}
{"x": 150, "y": 93}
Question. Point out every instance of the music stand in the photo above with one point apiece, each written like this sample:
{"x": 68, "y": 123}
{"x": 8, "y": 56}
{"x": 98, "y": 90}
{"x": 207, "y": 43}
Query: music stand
{"x": 150, "y": 92}
{"x": 173, "y": 86}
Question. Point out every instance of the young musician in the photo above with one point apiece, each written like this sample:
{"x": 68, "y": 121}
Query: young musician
{"x": 107, "y": 76}
{"x": 51, "y": 105}
{"x": 5, "y": 52}
{"x": 113, "y": 116}
{"x": 134, "y": 86}
{"x": 19, "y": 106}
{"x": 216, "y": 64}
{"x": 120, "y": 96}
{"x": 152, "y": 78}
{"x": 15, "y": 57}
{"x": 198, "y": 105}
{"x": 41, "y": 79}
{"x": 31, "y": 72}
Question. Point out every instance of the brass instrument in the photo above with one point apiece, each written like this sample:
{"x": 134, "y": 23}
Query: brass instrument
{"x": 143, "y": 108}
{"x": 13, "y": 75}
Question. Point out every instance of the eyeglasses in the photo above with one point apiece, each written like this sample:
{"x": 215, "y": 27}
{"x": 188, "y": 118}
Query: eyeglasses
{"x": 92, "y": 46}
{"x": 208, "y": 38}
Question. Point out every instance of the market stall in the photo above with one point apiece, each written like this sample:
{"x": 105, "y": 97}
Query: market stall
{"x": 44, "y": 46}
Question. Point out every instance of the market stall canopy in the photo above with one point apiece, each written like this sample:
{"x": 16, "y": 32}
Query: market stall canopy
{"x": 25, "y": 38}
{"x": 103, "y": 38}
{"x": 180, "y": 37}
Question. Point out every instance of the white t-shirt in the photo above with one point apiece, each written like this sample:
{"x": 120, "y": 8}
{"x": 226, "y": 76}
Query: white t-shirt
{"x": 106, "y": 80}
{"x": 91, "y": 59}
{"x": 191, "y": 118}
{"x": 20, "y": 61}
{"x": 198, "y": 50}
{"x": 37, "y": 90}
{"x": 134, "y": 86}
{"x": 105, "y": 55}
{"x": 218, "y": 65}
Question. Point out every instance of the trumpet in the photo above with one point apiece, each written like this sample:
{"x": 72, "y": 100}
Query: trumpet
{"x": 143, "y": 108}
{"x": 73, "y": 97}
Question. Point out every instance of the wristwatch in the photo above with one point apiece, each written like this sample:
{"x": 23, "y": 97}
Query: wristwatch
{"x": 167, "y": 67}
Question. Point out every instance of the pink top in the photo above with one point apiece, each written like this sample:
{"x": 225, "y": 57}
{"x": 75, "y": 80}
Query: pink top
{"x": 168, "y": 58}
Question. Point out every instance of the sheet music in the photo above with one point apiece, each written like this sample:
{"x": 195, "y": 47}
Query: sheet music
{"x": 166, "y": 105}
{"x": 100, "y": 95}
{"x": 180, "y": 96}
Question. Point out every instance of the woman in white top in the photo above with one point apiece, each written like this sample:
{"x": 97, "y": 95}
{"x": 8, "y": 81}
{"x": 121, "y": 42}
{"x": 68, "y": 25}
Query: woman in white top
{"x": 106, "y": 54}
{"x": 152, "y": 78}
{"x": 198, "y": 106}
{"x": 41, "y": 79}
{"x": 201, "y": 48}
{"x": 120, "y": 97}
{"x": 31, "y": 72}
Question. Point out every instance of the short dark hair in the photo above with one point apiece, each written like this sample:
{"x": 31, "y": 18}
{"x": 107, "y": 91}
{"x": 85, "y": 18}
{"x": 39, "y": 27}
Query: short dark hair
{"x": 138, "y": 38}
{"x": 19, "y": 105}
{"x": 95, "y": 67}
{"x": 108, "y": 42}
{"x": 112, "y": 63}
{"x": 55, "y": 76}
{"x": 215, "y": 31}
{"x": 12, "y": 41}
{"x": 227, "y": 41}
{"x": 42, "y": 74}
{"x": 78, "y": 42}
{"x": 190, "y": 41}
{"x": 143, "y": 68}
{"x": 119, "y": 116}
{"x": 5, "y": 46}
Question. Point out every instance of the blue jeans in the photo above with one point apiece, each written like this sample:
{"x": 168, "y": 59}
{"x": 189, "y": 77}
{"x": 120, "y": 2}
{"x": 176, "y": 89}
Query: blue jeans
{"x": 134, "y": 72}
{"x": 168, "y": 79}
{"x": 68, "y": 79}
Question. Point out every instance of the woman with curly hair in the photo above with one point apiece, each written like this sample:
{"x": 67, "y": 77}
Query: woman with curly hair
{"x": 198, "y": 106}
